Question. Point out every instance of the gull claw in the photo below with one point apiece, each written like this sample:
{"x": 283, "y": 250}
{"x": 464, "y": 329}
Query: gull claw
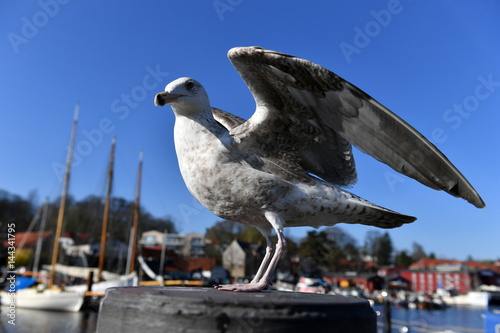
{"x": 249, "y": 287}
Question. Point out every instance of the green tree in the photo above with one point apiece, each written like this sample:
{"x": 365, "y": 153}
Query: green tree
{"x": 14, "y": 209}
{"x": 403, "y": 259}
{"x": 349, "y": 250}
{"x": 224, "y": 232}
{"x": 371, "y": 244}
{"x": 80, "y": 217}
{"x": 318, "y": 250}
{"x": 385, "y": 250}
{"x": 250, "y": 234}
{"x": 417, "y": 252}
{"x": 86, "y": 216}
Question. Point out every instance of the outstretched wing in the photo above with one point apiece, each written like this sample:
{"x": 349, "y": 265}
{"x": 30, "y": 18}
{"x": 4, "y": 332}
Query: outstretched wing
{"x": 320, "y": 114}
{"x": 226, "y": 119}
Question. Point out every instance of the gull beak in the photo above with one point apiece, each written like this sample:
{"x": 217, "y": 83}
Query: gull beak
{"x": 165, "y": 98}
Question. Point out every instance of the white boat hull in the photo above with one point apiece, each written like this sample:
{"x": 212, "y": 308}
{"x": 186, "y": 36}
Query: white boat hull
{"x": 54, "y": 300}
{"x": 472, "y": 298}
{"x": 100, "y": 287}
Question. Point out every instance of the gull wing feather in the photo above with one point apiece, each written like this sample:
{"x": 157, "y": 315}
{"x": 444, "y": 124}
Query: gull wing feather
{"x": 226, "y": 119}
{"x": 308, "y": 107}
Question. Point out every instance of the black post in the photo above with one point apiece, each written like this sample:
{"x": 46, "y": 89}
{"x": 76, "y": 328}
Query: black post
{"x": 387, "y": 307}
{"x": 387, "y": 314}
{"x": 90, "y": 281}
{"x": 183, "y": 309}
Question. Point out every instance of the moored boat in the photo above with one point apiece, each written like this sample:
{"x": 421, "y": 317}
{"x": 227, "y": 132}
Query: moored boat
{"x": 49, "y": 299}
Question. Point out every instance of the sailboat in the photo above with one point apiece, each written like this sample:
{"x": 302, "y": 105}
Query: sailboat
{"x": 98, "y": 279}
{"x": 51, "y": 298}
{"x": 29, "y": 278}
{"x": 72, "y": 297}
{"x": 105, "y": 280}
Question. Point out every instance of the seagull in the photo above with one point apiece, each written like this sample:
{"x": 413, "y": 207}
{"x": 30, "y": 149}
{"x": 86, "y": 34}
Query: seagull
{"x": 289, "y": 164}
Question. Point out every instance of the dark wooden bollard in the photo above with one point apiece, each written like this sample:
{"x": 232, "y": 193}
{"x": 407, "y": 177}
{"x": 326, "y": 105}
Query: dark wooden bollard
{"x": 183, "y": 309}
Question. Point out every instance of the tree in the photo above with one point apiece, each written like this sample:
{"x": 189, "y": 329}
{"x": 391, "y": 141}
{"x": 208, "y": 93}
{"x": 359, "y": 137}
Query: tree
{"x": 417, "y": 252}
{"x": 86, "y": 216}
{"x": 251, "y": 234}
{"x": 339, "y": 236}
{"x": 350, "y": 258}
{"x": 317, "y": 249}
{"x": 371, "y": 244}
{"x": 384, "y": 250}
{"x": 224, "y": 232}
{"x": 14, "y": 209}
{"x": 379, "y": 247}
{"x": 403, "y": 259}
{"x": 83, "y": 217}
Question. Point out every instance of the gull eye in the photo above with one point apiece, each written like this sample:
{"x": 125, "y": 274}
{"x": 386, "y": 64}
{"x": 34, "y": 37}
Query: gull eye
{"x": 189, "y": 85}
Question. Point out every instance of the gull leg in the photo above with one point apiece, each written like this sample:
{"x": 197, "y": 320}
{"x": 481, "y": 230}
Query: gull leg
{"x": 266, "y": 232}
{"x": 269, "y": 253}
{"x": 277, "y": 222}
{"x": 263, "y": 283}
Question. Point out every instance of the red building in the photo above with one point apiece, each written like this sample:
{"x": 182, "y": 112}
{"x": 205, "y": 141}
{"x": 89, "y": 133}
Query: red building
{"x": 369, "y": 282}
{"x": 429, "y": 274}
{"x": 429, "y": 281}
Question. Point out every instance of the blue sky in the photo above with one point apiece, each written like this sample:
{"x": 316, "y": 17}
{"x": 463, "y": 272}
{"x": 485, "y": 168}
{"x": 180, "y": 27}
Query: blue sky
{"x": 436, "y": 64}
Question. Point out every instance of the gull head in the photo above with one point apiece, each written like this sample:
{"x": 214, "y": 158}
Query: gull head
{"x": 186, "y": 96}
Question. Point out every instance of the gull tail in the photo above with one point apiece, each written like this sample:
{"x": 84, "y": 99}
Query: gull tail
{"x": 356, "y": 210}
{"x": 377, "y": 216}
{"x": 329, "y": 205}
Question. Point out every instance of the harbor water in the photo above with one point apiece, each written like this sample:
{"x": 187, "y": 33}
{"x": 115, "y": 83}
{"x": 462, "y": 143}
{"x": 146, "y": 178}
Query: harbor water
{"x": 30, "y": 321}
{"x": 453, "y": 319}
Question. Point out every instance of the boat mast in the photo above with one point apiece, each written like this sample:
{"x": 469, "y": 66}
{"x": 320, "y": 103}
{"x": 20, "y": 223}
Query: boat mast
{"x": 129, "y": 250}
{"x": 136, "y": 213}
{"x": 40, "y": 237}
{"x": 162, "y": 256}
{"x": 106, "y": 209}
{"x": 63, "y": 198}
{"x": 30, "y": 227}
